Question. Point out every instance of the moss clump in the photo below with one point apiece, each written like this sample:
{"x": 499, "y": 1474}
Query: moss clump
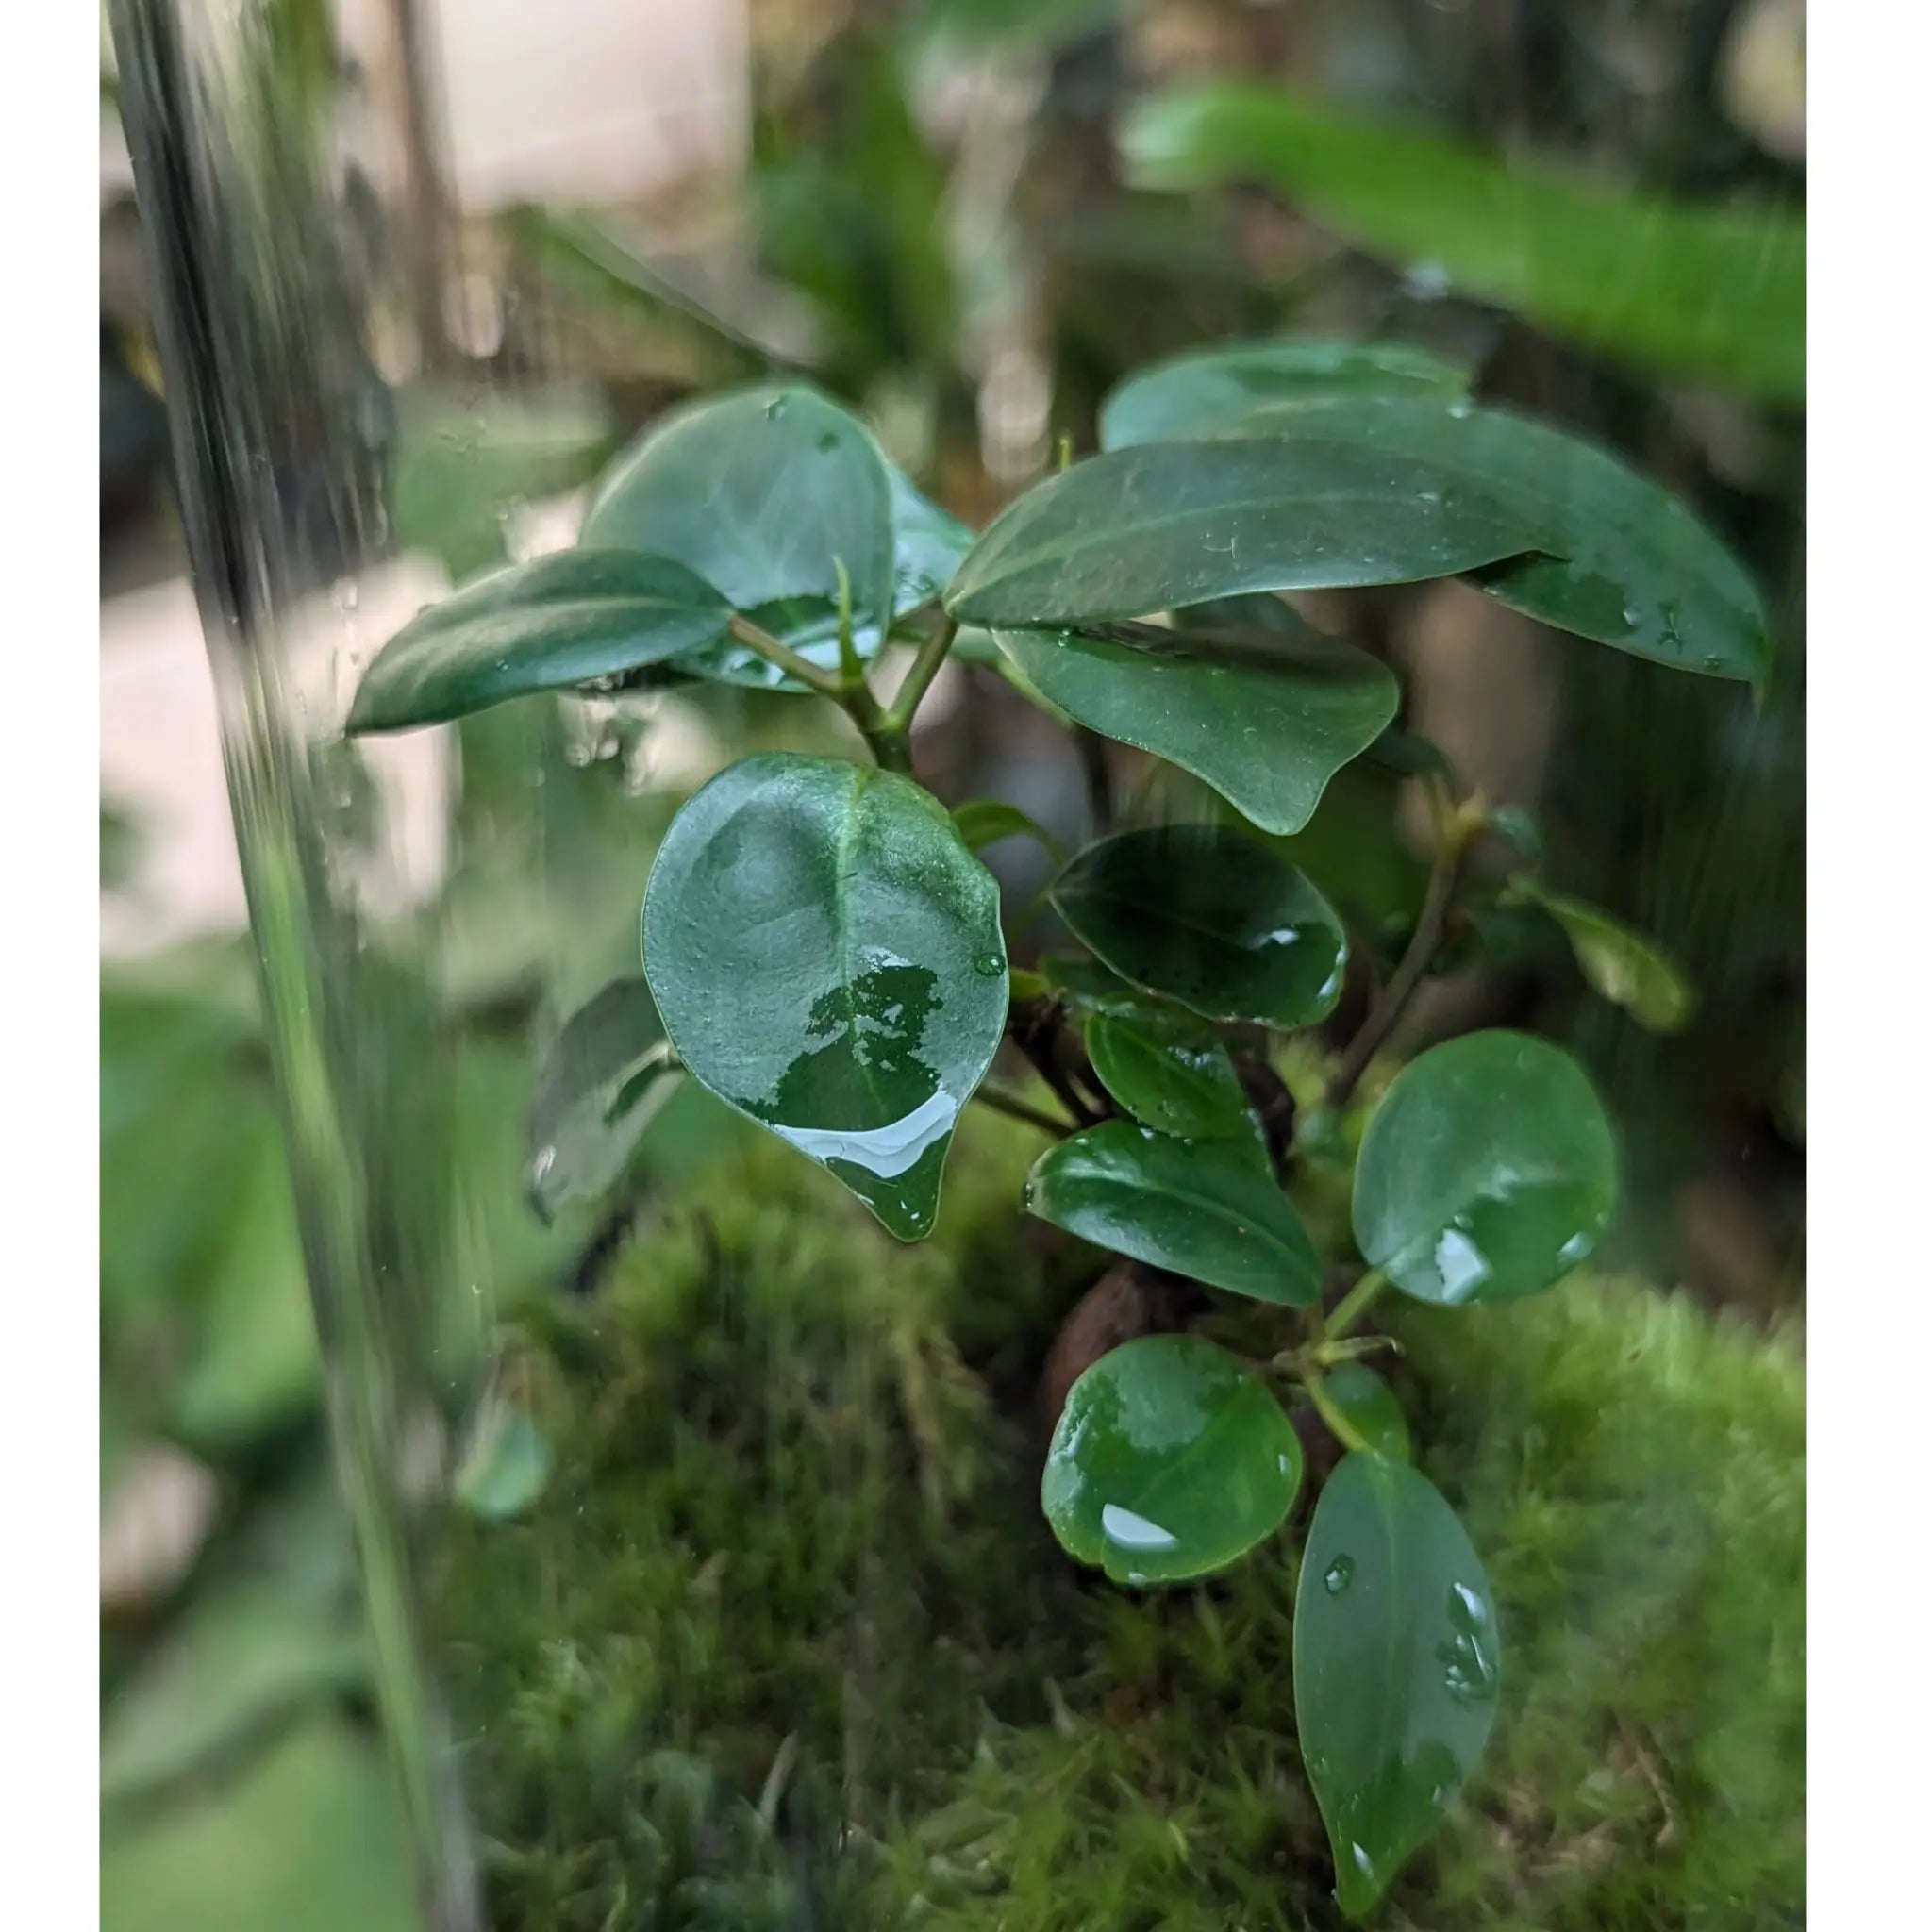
{"x": 786, "y": 1644}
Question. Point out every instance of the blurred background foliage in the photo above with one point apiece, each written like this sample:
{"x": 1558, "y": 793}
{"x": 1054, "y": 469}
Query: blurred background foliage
{"x": 968, "y": 219}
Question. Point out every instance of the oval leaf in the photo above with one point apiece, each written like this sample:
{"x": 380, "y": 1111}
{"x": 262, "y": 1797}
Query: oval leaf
{"x": 1621, "y": 966}
{"x": 761, "y": 492}
{"x": 1148, "y": 529}
{"x": 1265, "y": 719}
{"x": 826, "y": 956}
{"x": 560, "y": 621}
{"x": 1170, "y": 1460}
{"x": 1368, "y": 1402}
{"x": 1201, "y": 1208}
{"x": 1396, "y": 1667}
{"x": 1175, "y": 398}
{"x": 1209, "y": 917}
{"x": 603, "y": 1082}
{"x": 983, "y": 822}
{"x": 1489, "y": 1171}
{"x": 1625, "y": 562}
{"x": 1169, "y": 1080}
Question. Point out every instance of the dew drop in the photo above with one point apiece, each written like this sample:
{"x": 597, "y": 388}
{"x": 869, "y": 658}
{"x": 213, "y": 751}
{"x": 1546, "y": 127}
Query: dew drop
{"x": 1338, "y": 1576}
{"x": 827, "y": 443}
{"x": 989, "y": 965}
{"x": 775, "y": 409}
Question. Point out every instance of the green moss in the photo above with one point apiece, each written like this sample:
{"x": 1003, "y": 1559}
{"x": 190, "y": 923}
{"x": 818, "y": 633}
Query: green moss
{"x": 789, "y": 1586}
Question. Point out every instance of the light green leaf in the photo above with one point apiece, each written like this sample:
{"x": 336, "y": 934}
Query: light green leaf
{"x": 1188, "y": 396}
{"x": 983, "y": 822}
{"x": 1621, "y": 965}
{"x": 1169, "y": 1462}
{"x": 1208, "y": 916}
{"x": 1706, "y": 290}
{"x": 1397, "y": 1667}
{"x": 1203, "y": 1209}
{"x": 826, "y": 956}
{"x": 1368, "y": 1402}
{"x": 1489, "y": 1171}
{"x": 1175, "y": 1080}
{"x": 563, "y": 620}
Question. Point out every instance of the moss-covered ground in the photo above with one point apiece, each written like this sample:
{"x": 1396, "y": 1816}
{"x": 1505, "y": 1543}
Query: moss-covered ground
{"x": 785, "y": 1643}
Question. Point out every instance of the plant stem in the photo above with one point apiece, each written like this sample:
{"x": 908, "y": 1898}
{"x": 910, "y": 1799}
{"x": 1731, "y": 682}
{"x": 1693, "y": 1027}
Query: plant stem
{"x": 1453, "y": 830}
{"x": 1014, "y": 1107}
{"x": 773, "y": 650}
{"x": 925, "y": 668}
{"x": 1349, "y": 1309}
{"x": 1338, "y": 1424}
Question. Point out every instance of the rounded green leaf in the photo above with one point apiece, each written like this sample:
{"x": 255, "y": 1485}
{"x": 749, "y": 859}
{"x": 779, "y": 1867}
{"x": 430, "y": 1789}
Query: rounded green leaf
{"x": 1396, "y": 1667}
{"x": 1184, "y": 394}
{"x": 1203, "y": 1209}
{"x": 603, "y": 1082}
{"x": 1602, "y": 551}
{"x": 1264, "y": 718}
{"x": 1621, "y": 966}
{"x": 1170, "y": 1460}
{"x": 1489, "y": 1171}
{"x": 560, "y": 621}
{"x": 1147, "y": 529}
{"x": 826, "y": 956}
{"x": 1210, "y": 917}
{"x": 1174, "y": 1081}
{"x": 762, "y": 492}
{"x": 1368, "y": 1402}
{"x": 1087, "y": 983}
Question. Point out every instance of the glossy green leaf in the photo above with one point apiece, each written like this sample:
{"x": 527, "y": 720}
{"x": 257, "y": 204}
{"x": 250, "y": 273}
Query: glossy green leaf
{"x": 1621, "y": 965}
{"x": 1489, "y": 1171}
{"x": 1397, "y": 1667}
{"x": 1621, "y": 562}
{"x": 1263, "y": 717}
{"x": 761, "y": 492}
{"x": 1147, "y": 529}
{"x": 1187, "y": 395}
{"x": 1201, "y": 1209}
{"x": 1700, "y": 289}
{"x": 1370, "y": 1404}
{"x": 563, "y": 620}
{"x": 603, "y": 1081}
{"x": 1087, "y": 983}
{"x": 1169, "y": 1460}
{"x": 1212, "y": 917}
{"x": 826, "y": 956}
{"x": 1176, "y": 1081}
{"x": 983, "y": 822}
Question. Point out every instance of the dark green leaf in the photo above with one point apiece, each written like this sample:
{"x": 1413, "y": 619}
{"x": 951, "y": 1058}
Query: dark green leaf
{"x": 604, "y": 1078}
{"x": 1208, "y": 916}
{"x": 1265, "y": 719}
{"x": 1170, "y": 1460}
{"x": 983, "y": 822}
{"x": 1625, "y": 563}
{"x": 561, "y": 621}
{"x": 1201, "y": 1209}
{"x": 1090, "y": 984}
{"x": 1407, "y": 755}
{"x": 1487, "y": 1172}
{"x": 1702, "y": 289}
{"x": 1621, "y": 965}
{"x": 1177, "y": 1081}
{"x": 1185, "y": 395}
{"x": 826, "y": 956}
{"x": 1148, "y": 529}
{"x": 1367, "y": 1400}
{"x": 1397, "y": 1667}
{"x": 762, "y": 491}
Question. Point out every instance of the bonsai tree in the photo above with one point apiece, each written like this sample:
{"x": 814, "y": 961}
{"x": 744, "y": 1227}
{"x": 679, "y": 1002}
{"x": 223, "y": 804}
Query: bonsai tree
{"x": 822, "y": 949}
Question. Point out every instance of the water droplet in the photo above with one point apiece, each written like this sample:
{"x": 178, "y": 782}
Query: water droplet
{"x": 1338, "y": 1576}
{"x": 775, "y": 409}
{"x": 827, "y": 443}
{"x": 1134, "y": 1532}
{"x": 989, "y": 965}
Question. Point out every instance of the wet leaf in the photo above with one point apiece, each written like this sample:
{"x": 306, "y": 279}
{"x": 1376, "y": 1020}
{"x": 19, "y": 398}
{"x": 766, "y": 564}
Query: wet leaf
{"x": 1175, "y": 1080}
{"x": 1265, "y": 717}
{"x": 759, "y": 492}
{"x": 1187, "y": 395}
{"x": 1489, "y": 1171}
{"x": 1171, "y": 523}
{"x": 606, "y": 1076}
{"x": 1203, "y": 1209}
{"x": 1397, "y": 1667}
{"x": 1618, "y": 560}
{"x": 561, "y": 621}
{"x": 1170, "y": 1460}
{"x": 1715, "y": 290}
{"x": 1369, "y": 1403}
{"x": 1621, "y": 965}
{"x": 826, "y": 956}
{"x": 1208, "y": 916}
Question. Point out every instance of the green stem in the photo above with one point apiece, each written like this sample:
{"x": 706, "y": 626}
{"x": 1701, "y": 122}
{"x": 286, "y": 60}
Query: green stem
{"x": 886, "y": 739}
{"x": 1338, "y": 1424}
{"x": 925, "y": 668}
{"x": 1000, "y": 1101}
{"x": 1349, "y": 1309}
{"x": 773, "y": 650}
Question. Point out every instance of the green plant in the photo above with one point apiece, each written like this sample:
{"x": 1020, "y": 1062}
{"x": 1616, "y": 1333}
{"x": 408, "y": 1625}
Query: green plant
{"x": 823, "y": 950}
